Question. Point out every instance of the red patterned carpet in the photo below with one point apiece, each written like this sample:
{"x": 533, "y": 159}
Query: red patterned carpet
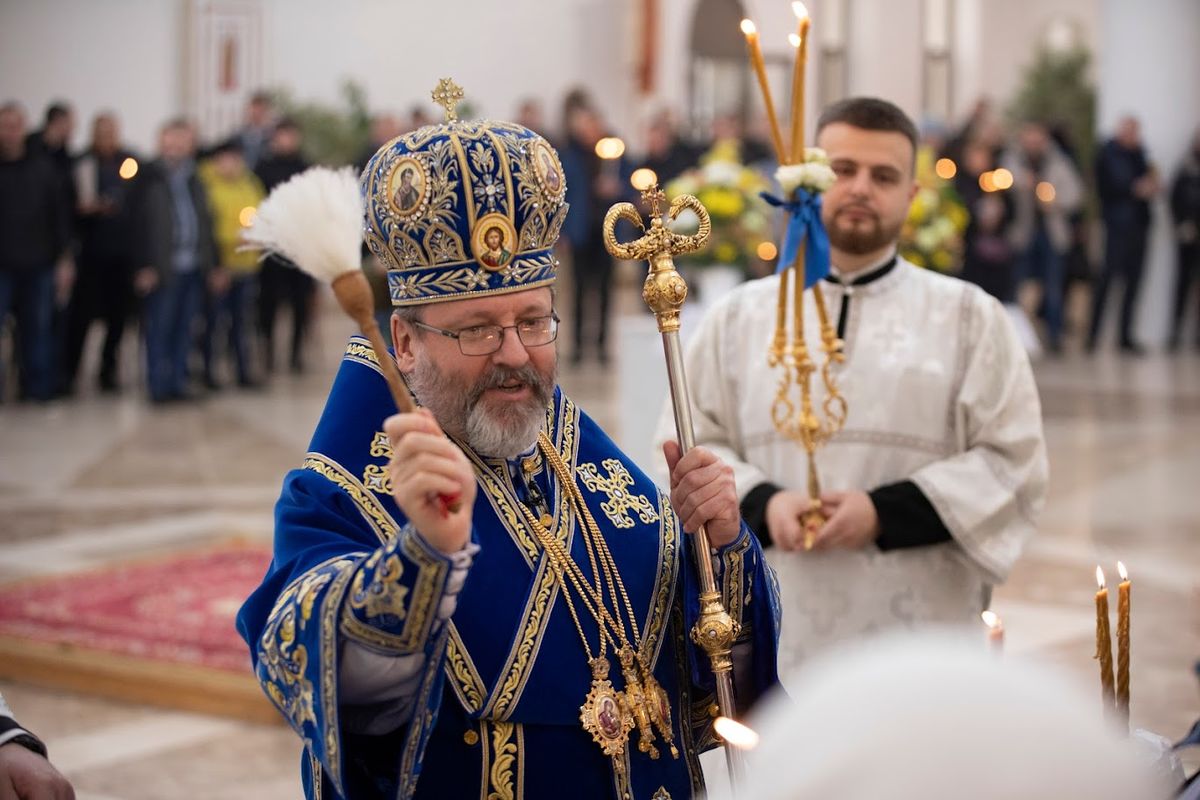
{"x": 159, "y": 630}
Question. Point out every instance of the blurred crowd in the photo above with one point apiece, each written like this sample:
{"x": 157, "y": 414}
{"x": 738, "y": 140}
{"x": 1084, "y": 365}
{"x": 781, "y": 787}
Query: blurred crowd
{"x": 106, "y": 239}
{"x": 1040, "y": 216}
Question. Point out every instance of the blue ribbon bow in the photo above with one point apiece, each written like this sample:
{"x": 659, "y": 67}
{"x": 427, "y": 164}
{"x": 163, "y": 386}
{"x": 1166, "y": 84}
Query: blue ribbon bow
{"x": 804, "y": 227}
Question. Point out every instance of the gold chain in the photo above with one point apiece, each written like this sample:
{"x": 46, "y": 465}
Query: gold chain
{"x": 595, "y": 543}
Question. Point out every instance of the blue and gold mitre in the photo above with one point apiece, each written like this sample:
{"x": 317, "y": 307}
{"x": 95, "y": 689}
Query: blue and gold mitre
{"x": 464, "y": 208}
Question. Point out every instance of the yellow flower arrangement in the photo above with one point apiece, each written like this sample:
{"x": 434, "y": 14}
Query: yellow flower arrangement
{"x": 730, "y": 191}
{"x": 932, "y": 235}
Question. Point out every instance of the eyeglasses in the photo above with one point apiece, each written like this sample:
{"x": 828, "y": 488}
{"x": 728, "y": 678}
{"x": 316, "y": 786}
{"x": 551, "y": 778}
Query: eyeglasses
{"x": 483, "y": 340}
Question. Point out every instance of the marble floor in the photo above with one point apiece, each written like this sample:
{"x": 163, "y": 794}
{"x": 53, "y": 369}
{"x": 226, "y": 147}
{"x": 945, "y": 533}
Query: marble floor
{"x": 98, "y": 479}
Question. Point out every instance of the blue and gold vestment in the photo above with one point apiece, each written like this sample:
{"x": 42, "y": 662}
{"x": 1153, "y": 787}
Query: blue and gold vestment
{"x": 497, "y": 714}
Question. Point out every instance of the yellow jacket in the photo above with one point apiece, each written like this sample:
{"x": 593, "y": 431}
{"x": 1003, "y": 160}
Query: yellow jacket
{"x": 229, "y": 200}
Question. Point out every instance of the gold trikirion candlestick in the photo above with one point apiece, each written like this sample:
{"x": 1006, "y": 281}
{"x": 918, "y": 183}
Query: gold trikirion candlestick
{"x": 664, "y": 292}
{"x": 806, "y": 427}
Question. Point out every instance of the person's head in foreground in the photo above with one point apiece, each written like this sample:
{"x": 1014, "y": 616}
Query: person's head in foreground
{"x": 930, "y": 718}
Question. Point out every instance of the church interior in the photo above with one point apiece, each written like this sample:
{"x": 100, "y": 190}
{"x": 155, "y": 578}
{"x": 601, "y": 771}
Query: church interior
{"x": 133, "y": 526}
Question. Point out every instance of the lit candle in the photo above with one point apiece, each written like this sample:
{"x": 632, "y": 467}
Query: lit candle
{"x": 760, "y": 70}
{"x": 995, "y": 632}
{"x": 1104, "y": 644}
{"x": 610, "y": 148}
{"x": 801, "y": 44}
{"x": 1123, "y": 645}
{"x": 734, "y": 732}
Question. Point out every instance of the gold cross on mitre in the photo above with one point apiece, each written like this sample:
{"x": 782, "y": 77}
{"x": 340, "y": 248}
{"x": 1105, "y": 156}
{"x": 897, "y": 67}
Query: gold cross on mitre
{"x": 448, "y": 94}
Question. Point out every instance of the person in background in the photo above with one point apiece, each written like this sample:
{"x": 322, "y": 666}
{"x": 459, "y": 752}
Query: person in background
{"x": 593, "y": 184}
{"x": 234, "y": 193}
{"x": 987, "y": 255}
{"x": 180, "y": 255}
{"x": 280, "y": 281}
{"x": 53, "y": 141}
{"x": 36, "y": 269}
{"x": 110, "y": 230}
{"x": 666, "y": 152}
{"x": 529, "y": 114}
{"x": 1126, "y": 182}
{"x": 256, "y": 132}
{"x": 383, "y": 128}
{"x": 1046, "y": 191}
{"x": 1185, "y": 211}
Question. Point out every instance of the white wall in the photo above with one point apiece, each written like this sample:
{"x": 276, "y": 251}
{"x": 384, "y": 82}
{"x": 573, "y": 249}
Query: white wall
{"x": 128, "y": 54}
{"x": 885, "y": 51}
{"x": 117, "y": 54}
{"x": 1012, "y": 29}
{"x": 1149, "y": 69}
{"x": 498, "y": 51}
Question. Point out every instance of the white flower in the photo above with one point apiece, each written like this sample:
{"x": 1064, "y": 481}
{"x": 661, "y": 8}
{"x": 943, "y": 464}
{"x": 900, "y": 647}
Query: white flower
{"x": 813, "y": 177}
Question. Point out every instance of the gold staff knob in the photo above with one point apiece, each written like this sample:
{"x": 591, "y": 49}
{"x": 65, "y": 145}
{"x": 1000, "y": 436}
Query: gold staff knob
{"x": 664, "y": 290}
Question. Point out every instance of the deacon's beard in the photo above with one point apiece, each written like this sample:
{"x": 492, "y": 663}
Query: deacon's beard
{"x": 493, "y": 426}
{"x": 862, "y": 239}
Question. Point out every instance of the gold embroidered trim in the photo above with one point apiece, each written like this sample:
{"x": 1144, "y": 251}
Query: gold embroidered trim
{"x": 664, "y": 582}
{"x": 360, "y": 352}
{"x": 464, "y": 678}
{"x": 381, "y": 521}
{"x": 504, "y": 763}
{"x": 734, "y": 597}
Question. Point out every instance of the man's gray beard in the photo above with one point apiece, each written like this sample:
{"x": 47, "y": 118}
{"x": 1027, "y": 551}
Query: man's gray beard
{"x": 859, "y": 242}
{"x": 506, "y": 432}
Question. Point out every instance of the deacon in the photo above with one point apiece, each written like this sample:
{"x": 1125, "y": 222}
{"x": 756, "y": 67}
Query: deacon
{"x": 485, "y": 597}
{"x": 932, "y": 487}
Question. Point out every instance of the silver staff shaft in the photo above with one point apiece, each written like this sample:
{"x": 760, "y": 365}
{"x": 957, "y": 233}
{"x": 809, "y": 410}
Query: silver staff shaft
{"x": 682, "y": 405}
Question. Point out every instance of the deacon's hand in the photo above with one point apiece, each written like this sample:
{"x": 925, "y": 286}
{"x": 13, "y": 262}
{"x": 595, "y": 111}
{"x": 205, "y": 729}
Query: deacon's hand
{"x": 852, "y": 522}
{"x": 425, "y": 467}
{"x": 25, "y": 775}
{"x": 703, "y": 493}
{"x": 785, "y": 519}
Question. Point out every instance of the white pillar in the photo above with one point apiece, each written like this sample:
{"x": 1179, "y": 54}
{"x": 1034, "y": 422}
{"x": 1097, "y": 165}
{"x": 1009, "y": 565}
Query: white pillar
{"x": 1148, "y": 60}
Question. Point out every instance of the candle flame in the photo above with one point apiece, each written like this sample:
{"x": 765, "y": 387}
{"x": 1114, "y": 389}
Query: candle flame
{"x": 987, "y": 182}
{"x": 128, "y": 168}
{"x": 990, "y": 619}
{"x": 799, "y": 10}
{"x": 1121, "y": 569}
{"x": 945, "y": 168}
{"x": 1045, "y": 192}
{"x": 1002, "y": 178}
{"x": 610, "y": 147}
{"x": 748, "y": 27}
{"x": 767, "y": 251}
{"x": 246, "y": 216}
{"x": 735, "y": 733}
{"x": 793, "y": 40}
{"x": 643, "y": 178}
{"x": 1099, "y": 576}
